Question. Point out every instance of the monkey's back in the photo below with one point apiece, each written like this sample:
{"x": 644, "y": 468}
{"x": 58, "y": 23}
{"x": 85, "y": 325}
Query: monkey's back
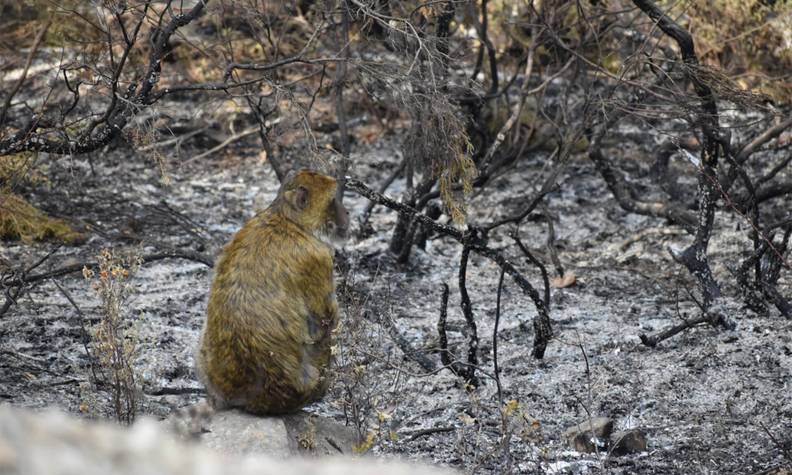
{"x": 266, "y": 343}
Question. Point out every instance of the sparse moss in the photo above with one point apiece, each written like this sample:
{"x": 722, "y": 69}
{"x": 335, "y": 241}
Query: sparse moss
{"x": 18, "y": 168}
{"x": 438, "y": 139}
{"x": 365, "y": 445}
{"x": 459, "y": 169}
{"x": 21, "y": 220}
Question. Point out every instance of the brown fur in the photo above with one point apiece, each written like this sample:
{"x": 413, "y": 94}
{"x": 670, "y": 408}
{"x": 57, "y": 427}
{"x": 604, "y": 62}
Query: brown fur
{"x": 265, "y": 346}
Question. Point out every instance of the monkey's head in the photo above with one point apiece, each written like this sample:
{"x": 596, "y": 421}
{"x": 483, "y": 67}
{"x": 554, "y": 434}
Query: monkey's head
{"x": 309, "y": 199}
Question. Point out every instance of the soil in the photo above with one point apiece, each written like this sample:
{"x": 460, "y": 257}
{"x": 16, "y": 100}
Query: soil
{"x": 709, "y": 400}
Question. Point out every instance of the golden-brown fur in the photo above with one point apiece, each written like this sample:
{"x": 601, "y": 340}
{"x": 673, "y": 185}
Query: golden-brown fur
{"x": 265, "y": 346}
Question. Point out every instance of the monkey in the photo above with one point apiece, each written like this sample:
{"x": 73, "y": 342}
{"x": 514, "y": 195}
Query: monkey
{"x": 266, "y": 343}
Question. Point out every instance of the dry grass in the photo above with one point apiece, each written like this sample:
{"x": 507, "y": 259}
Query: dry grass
{"x": 114, "y": 337}
{"x": 21, "y": 220}
{"x": 749, "y": 40}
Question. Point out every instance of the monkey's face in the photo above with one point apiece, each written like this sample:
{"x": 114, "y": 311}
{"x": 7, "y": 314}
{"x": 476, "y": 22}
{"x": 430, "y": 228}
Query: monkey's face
{"x": 312, "y": 203}
{"x": 336, "y": 228}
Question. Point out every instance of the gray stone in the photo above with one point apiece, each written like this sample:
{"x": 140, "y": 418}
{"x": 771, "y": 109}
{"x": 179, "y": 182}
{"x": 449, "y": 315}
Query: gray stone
{"x": 309, "y": 434}
{"x": 628, "y": 442}
{"x": 52, "y": 443}
{"x": 590, "y": 435}
{"x": 234, "y": 432}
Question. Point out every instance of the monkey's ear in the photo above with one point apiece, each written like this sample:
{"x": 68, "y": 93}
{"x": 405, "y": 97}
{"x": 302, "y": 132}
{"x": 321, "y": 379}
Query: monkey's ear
{"x": 301, "y": 197}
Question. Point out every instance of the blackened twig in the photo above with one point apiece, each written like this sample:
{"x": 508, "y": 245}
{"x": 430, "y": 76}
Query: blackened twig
{"x": 189, "y": 255}
{"x": 338, "y": 94}
{"x": 695, "y": 256}
{"x": 86, "y": 338}
{"x": 543, "y": 331}
{"x": 364, "y": 217}
{"x": 174, "y": 391}
{"x": 708, "y": 118}
{"x": 464, "y": 371}
{"x": 15, "y": 283}
{"x": 467, "y": 310}
{"x": 551, "y": 244}
{"x": 409, "y": 351}
{"x": 782, "y": 446}
{"x": 715, "y": 319}
{"x": 495, "y": 337}
{"x": 625, "y": 195}
{"x": 429, "y": 431}
{"x": 762, "y": 138}
{"x": 548, "y": 186}
{"x": 442, "y": 336}
{"x": 23, "y": 76}
{"x": 533, "y": 260}
{"x": 123, "y": 107}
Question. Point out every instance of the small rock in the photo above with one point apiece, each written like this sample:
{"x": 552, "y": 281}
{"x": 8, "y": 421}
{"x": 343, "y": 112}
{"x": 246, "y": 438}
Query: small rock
{"x": 568, "y": 279}
{"x": 314, "y": 435}
{"x": 238, "y": 433}
{"x": 628, "y": 442}
{"x": 234, "y": 432}
{"x": 589, "y": 435}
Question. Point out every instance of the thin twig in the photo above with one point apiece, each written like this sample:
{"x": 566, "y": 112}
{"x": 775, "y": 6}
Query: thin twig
{"x": 533, "y": 260}
{"x": 86, "y": 339}
{"x": 19, "y": 281}
{"x": 543, "y": 331}
{"x": 23, "y": 76}
{"x": 495, "y": 337}
{"x": 424, "y": 432}
{"x": 762, "y": 139}
{"x": 467, "y": 310}
{"x": 409, "y": 351}
{"x": 224, "y": 143}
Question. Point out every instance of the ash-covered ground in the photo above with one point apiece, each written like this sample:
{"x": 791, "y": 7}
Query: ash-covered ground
{"x": 709, "y": 400}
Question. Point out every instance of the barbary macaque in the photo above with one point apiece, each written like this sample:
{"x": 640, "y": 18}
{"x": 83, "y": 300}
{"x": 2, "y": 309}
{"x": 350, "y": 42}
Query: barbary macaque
{"x": 266, "y": 345}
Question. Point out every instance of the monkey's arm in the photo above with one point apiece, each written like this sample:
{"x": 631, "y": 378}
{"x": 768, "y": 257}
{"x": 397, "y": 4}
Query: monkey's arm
{"x": 320, "y": 296}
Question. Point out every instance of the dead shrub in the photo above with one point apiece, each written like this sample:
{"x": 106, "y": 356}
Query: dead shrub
{"x": 21, "y": 220}
{"x": 114, "y": 337}
{"x": 367, "y": 398}
{"x": 750, "y": 40}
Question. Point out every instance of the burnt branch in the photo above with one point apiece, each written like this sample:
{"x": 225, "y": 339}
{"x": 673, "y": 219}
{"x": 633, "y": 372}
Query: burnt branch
{"x": 767, "y": 260}
{"x": 15, "y": 283}
{"x": 408, "y": 349}
{"x": 23, "y": 76}
{"x": 716, "y": 319}
{"x": 40, "y": 134}
{"x": 465, "y": 371}
{"x": 543, "y": 331}
{"x": 342, "y": 38}
{"x": 495, "y": 336}
{"x": 708, "y": 118}
{"x": 442, "y": 335}
{"x": 386, "y": 183}
{"x": 533, "y": 260}
{"x": 627, "y": 197}
{"x": 695, "y": 257}
{"x": 761, "y": 139}
{"x": 469, "y": 375}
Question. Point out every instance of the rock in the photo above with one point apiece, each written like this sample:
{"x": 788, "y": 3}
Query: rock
{"x": 628, "y": 442}
{"x": 237, "y": 433}
{"x": 309, "y": 434}
{"x": 568, "y": 279}
{"x": 52, "y": 443}
{"x": 234, "y": 432}
{"x": 590, "y": 435}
